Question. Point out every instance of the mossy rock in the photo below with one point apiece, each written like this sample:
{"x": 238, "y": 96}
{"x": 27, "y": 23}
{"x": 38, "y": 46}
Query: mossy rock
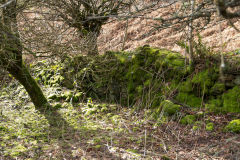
{"x": 231, "y": 100}
{"x": 233, "y": 126}
{"x": 204, "y": 80}
{"x": 217, "y": 89}
{"x": 189, "y": 99}
{"x": 169, "y": 108}
{"x": 214, "y": 105}
{"x": 186, "y": 87}
{"x": 188, "y": 119}
{"x": 209, "y": 126}
{"x": 130, "y": 75}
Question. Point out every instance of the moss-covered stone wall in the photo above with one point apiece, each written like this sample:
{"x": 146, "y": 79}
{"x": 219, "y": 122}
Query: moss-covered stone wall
{"x": 144, "y": 78}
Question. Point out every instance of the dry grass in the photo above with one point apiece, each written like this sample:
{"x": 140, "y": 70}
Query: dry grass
{"x": 113, "y": 34}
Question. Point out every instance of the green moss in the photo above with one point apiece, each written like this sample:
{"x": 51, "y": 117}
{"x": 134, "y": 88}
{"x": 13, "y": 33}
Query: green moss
{"x": 186, "y": 87}
{"x": 217, "y": 89}
{"x": 231, "y": 100}
{"x": 205, "y": 80}
{"x": 188, "y": 119}
{"x": 197, "y": 125}
{"x": 214, "y": 105}
{"x": 18, "y": 150}
{"x": 209, "y": 126}
{"x": 169, "y": 108}
{"x": 77, "y": 97}
{"x": 233, "y": 126}
{"x": 189, "y": 99}
{"x": 165, "y": 158}
{"x": 194, "y": 128}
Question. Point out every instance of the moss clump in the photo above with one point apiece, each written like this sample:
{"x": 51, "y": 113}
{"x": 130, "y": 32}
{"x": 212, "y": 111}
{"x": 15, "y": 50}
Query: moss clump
{"x": 231, "y": 100}
{"x": 188, "y": 119}
{"x": 189, "y": 99}
{"x": 186, "y": 87}
{"x": 165, "y": 158}
{"x": 218, "y": 88}
{"x": 209, "y": 126}
{"x": 233, "y": 126}
{"x": 214, "y": 105}
{"x": 147, "y": 66}
{"x": 204, "y": 80}
{"x": 169, "y": 108}
{"x": 197, "y": 125}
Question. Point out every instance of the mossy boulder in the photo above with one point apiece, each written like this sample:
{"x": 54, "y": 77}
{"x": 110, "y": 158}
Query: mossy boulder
{"x": 209, "y": 126}
{"x": 188, "y": 119}
{"x": 169, "y": 108}
{"x": 217, "y": 89}
{"x": 204, "y": 80}
{"x": 186, "y": 87}
{"x": 233, "y": 126}
{"x": 214, "y": 105}
{"x": 189, "y": 99}
{"x": 231, "y": 100}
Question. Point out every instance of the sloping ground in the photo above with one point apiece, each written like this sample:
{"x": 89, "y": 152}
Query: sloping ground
{"x": 78, "y": 127}
{"x": 92, "y": 131}
{"x": 114, "y": 33}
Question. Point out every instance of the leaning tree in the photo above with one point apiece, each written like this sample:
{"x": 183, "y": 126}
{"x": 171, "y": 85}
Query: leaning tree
{"x": 11, "y": 52}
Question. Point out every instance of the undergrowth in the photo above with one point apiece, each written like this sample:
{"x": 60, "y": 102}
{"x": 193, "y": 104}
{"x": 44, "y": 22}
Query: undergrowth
{"x": 116, "y": 105}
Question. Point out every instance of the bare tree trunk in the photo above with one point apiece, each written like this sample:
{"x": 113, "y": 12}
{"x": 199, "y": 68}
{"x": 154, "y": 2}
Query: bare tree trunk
{"x": 92, "y": 46}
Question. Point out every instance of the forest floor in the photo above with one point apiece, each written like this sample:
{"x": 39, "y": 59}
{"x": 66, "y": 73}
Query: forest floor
{"x": 106, "y": 131}
{"x": 90, "y": 130}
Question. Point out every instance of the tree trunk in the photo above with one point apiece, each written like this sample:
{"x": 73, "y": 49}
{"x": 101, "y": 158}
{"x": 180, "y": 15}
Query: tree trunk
{"x": 11, "y": 55}
{"x": 92, "y": 46}
{"x": 22, "y": 74}
{"x": 191, "y": 58}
